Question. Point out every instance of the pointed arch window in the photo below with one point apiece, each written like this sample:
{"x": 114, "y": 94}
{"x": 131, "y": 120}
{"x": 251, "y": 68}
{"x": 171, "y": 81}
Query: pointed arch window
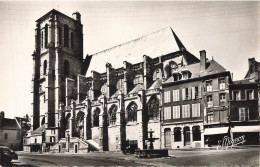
{"x": 60, "y": 36}
{"x": 120, "y": 84}
{"x": 43, "y": 120}
{"x": 46, "y": 36}
{"x": 66, "y": 36}
{"x": 42, "y": 39}
{"x": 153, "y": 108}
{"x": 138, "y": 79}
{"x": 157, "y": 74}
{"x": 45, "y": 67}
{"x": 66, "y": 68}
{"x": 96, "y": 117}
{"x": 72, "y": 40}
{"x": 132, "y": 112}
{"x": 112, "y": 115}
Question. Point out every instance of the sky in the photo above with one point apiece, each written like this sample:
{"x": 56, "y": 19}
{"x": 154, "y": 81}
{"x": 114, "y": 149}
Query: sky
{"x": 228, "y": 31}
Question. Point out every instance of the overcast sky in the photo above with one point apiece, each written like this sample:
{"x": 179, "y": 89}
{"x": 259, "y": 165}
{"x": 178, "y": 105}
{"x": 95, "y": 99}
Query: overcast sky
{"x": 228, "y": 31}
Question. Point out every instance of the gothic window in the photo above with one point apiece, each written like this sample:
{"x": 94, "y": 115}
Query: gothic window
{"x": 71, "y": 40}
{"x": 46, "y": 36}
{"x": 60, "y": 36}
{"x": 45, "y": 67}
{"x": 104, "y": 88}
{"x": 153, "y": 108}
{"x": 66, "y": 68}
{"x": 120, "y": 84}
{"x": 138, "y": 79}
{"x": 112, "y": 115}
{"x": 42, "y": 39}
{"x": 43, "y": 121}
{"x": 132, "y": 112}
{"x": 66, "y": 36}
{"x": 157, "y": 74}
{"x": 96, "y": 117}
{"x": 173, "y": 66}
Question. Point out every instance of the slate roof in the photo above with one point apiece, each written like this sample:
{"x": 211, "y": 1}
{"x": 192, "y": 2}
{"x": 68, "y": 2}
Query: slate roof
{"x": 10, "y": 124}
{"x": 156, "y": 84}
{"x": 136, "y": 88}
{"x": 39, "y": 130}
{"x": 159, "y": 43}
{"x": 212, "y": 67}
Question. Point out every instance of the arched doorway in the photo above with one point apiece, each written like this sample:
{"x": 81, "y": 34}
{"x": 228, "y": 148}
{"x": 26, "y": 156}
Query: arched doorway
{"x": 79, "y": 126}
{"x": 186, "y": 131}
{"x": 67, "y": 121}
{"x": 167, "y": 138}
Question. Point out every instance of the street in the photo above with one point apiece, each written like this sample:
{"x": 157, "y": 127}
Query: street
{"x": 232, "y": 157}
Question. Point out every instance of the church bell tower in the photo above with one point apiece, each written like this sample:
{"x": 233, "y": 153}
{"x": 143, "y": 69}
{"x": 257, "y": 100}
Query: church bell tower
{"x": 58, "y": 55}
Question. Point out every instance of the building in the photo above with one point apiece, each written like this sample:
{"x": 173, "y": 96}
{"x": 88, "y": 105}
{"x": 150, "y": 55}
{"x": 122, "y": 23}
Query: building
{"x": 244, "y": 105}
{"x": 111, "y": 99}
{"x": 195, "y": 103}
{"x": 12, "y": 131}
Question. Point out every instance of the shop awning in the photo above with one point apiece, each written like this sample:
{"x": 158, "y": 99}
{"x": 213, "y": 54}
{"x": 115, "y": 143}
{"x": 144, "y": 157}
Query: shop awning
{"x": 238, "y": 129}
{"x": 215, "y": 131}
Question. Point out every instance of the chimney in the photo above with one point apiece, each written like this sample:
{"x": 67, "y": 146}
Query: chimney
{"x": 250, "y": 61}
{"x": 76, "y": 16}
{"x": 202, "y": 60}
{"x": 2, "y": 116}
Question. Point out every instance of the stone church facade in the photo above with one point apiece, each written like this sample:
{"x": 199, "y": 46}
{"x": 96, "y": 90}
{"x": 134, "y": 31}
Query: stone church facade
{"x": 108, "y": 100}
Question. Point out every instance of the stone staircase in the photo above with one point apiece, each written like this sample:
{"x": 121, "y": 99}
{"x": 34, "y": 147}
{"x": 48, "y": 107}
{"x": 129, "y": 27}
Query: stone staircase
{"x": 76, "y": 145}
{"x": 94, "y": 146}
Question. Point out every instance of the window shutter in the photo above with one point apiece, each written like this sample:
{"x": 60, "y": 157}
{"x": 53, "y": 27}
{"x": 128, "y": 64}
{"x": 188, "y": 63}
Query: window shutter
{"x": 178, "y": 111}
{"x": 216, "y": 116}
{"x": 178, "y": 95}
{"x": 226, "y": 82}
{"x": 174, "y": 96}
{"x": 193, "y": 92}
{"x": 199, "y": 89}
{"x": 183, "y": 94}
{"x": 188, "y": 108}
{"x": 247, "y": 114}
{"x": 189, "y": 93}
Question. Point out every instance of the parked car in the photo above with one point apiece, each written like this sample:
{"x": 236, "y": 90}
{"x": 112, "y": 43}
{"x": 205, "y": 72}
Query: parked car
{"x": 7, "y": 155}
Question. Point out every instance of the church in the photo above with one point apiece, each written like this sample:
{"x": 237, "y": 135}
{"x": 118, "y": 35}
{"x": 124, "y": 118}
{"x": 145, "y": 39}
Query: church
{"x": 111, "y": 100}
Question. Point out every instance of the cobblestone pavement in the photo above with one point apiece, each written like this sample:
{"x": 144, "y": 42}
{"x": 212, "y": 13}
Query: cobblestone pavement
{"x": 231, "y": 157}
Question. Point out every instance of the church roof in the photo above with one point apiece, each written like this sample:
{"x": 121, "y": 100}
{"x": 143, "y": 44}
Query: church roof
{"x": 159, "y": 43}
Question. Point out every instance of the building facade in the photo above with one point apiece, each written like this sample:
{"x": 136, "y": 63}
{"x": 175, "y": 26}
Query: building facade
{"x": 195, "y": 103}
{"x": 111, "y": 99}
{"x": 244, "y": 105}
{"x": 12, "y": 131}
